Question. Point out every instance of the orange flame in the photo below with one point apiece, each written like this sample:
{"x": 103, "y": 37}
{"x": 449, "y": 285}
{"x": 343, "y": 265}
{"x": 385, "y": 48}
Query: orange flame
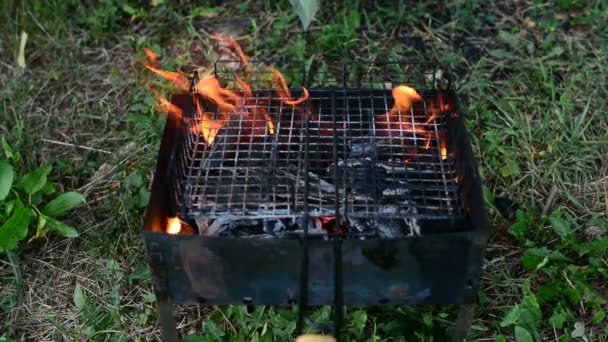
{"x": 178, "y": 79}
{"x": 209, "y": 128}
{"x": 404, "y": 98}
{"x": 152, "y": 57}
{"x": 427, "y": 144}
{"x": 209, "y": 87}
{"x": 269, "y": 123}
{"x": 232, "y": 44}
{"x": 244, "y": 86}
{"x": 280, "y": 86}
{"x": 444, "y": 150}
{"x": 174, "y": 225}
{"x": 164, "y": 106}
{"x": 434, "y": 108}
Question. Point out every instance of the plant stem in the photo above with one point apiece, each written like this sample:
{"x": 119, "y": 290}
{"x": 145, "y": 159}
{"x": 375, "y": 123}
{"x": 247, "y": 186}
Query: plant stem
{"x": 13, "y": 258}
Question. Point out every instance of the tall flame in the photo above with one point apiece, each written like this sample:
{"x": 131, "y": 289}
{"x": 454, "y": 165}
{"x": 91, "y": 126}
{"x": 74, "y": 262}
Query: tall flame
{"x": 164, "y": 106}
{"x": 280, "y": 86}
{"x": 444, "y": 150}
{"x": 209, "y": 87}
{"x": 176, "y": 78}
{"x": 174, "y": 225}
{"x": 152, "y": 57}
{"x": 232, "y": 44}
{"x": 404, "y": 97}
{"x": 209, "y": 128}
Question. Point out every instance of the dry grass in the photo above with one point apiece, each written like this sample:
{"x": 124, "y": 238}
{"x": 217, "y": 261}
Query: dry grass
{"x": 74, "y": 106}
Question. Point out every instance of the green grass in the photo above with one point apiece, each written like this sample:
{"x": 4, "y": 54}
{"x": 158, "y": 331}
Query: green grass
{"x": 532, "y": 79}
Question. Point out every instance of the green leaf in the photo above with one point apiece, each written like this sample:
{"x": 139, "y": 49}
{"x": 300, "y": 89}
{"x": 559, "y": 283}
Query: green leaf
{"x": 8, "y": 151}
{"x": 510, "y": 39}
{"x": 6, "y": 178}
{"x": 555, "y": 52}
{"x": 48, "y": 189}
{"x": 594, "y": 248}
{"x": 135, "y": 180}
{"x": 535, "y": 257}
{"x": 79, "y": 298}
{"x": 359, "y": 321}
{"x": 212, "y": 330}
{"x": 512, "y": 317}
{"x": 63, "y": 203}
{"x": 501, "y": 54}
{"x": 149, "y": 297}
{"x": 306, "y": 10}
{"x": 194, "y": 338}
{"x": 559, "y": 316}
{"x": 61, "y": 228}
{"x": 531, "y": 315}
{"x": 599, "y": 316}
{"x": 560, "y": 226}
{"x": 589, "y": 293}
{"x": 510, "y": 168}
{"x": 522, "y": 335}
{"x": 35, "y": 180}
{"x": 521, "y": 225}
{"x": 15, "y": 228}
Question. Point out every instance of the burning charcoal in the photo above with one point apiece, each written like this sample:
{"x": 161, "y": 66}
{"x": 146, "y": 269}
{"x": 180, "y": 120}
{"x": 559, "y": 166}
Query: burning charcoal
{"x": 395, "y": 192}
{"x": 274, "y": 226}
{"x": 357, "y": 225}
{"x": 362, "y": 150}
{"x": 314, "y": 226}
{"x": 389, "y": 229}
{"x": 412, "y": 223}
{"x": 217, "y": 227}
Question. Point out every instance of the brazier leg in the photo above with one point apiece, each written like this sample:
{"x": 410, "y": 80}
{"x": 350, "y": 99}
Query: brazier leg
{"x": 466, "y": 312}
{"x": 167, "y": 321}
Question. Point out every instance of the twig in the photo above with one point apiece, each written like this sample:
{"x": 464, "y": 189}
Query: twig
{"x": 551, "y": 199}
{"x": 77, "y": 146}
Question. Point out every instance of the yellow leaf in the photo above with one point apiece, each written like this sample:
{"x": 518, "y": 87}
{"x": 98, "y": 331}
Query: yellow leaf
{"x": 21, "y": 55}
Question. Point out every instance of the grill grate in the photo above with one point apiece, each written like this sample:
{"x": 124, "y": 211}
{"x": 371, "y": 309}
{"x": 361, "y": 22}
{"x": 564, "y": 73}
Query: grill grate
{"x": 356, "y": 162}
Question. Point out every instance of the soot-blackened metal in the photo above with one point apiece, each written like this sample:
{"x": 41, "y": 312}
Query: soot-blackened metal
{"x": 442, "y": 266}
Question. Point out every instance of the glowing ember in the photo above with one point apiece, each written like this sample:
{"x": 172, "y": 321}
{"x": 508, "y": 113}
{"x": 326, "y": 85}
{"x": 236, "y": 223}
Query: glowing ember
{"x": 444, "y": 150}
{"x": 174, "y": 225}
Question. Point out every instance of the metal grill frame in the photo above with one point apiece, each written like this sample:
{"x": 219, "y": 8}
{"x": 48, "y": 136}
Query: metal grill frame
{"x": 436, "y": 268}
{"x": 266, "y": 159}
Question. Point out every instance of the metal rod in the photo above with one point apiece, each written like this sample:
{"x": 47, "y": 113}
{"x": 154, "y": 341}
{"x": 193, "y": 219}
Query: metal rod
{"x": 167, "y": 321}
{"x": 304, "y": 270}
{"x": 466, "y": 313}
{"x": 338, "y": 286}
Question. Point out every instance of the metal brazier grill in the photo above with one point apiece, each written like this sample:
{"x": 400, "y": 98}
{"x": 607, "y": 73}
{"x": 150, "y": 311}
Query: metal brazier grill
{"x": 339, "y": 200}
